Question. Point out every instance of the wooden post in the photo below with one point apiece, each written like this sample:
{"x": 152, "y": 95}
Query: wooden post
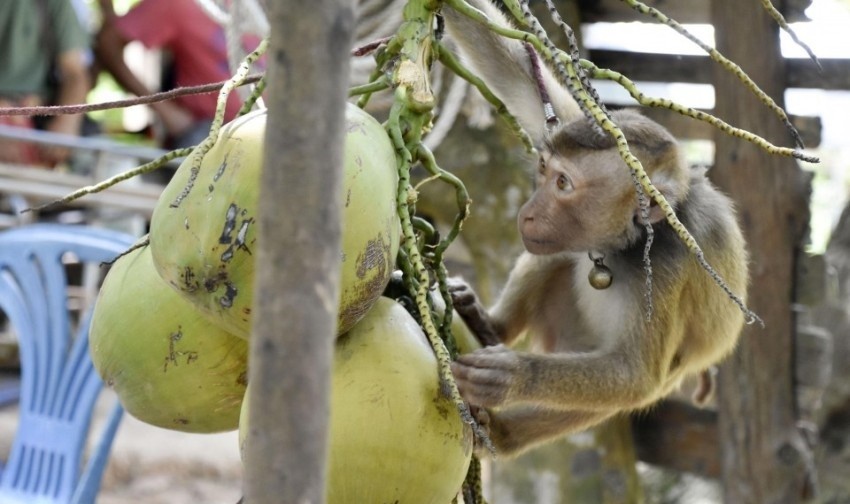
{"x": 764, "y": 457}
{"x": 297, "y": 276}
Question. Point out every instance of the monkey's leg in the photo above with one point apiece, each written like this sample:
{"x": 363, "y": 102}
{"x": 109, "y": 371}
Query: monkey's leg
{"x": 705, "y": 388}
{"x": 515, "y": 430}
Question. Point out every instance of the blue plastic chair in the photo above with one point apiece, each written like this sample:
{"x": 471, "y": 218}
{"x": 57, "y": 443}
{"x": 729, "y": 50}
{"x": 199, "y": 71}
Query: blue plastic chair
{"x": 59, "y": 385}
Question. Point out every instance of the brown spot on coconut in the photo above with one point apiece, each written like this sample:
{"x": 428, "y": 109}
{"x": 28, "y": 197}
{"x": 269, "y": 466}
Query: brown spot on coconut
{"x": 162, "y": 357}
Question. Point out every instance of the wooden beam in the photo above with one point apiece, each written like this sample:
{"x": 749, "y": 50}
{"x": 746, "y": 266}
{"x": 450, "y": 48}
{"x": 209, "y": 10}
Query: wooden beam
{"x": 678, "y": 436}
{"x": 683, "y": 11}
{"x": 44, "y": 186}
{"x": 800, "y": 73}
{"x": 655, "y": 67}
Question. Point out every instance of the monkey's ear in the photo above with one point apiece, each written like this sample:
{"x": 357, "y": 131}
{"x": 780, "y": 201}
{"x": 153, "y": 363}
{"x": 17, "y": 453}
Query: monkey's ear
{"x": 673, "y": 190}
{"x": 655, "y": 214}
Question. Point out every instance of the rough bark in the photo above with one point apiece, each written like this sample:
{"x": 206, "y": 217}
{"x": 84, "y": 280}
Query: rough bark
{"x": 764, "y": 457}
{"x": 298, "y": 258}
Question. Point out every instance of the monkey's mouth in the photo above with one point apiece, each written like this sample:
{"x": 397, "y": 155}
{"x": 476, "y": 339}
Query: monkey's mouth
{"x": 539, "y": 246}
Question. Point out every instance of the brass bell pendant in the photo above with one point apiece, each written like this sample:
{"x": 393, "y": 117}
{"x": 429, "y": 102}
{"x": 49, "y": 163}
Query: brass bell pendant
{"x": 600, "y": 276}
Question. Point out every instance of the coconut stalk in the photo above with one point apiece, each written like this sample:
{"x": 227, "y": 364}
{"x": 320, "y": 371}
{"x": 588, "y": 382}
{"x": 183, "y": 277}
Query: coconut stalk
{"x": 297, "y": 287}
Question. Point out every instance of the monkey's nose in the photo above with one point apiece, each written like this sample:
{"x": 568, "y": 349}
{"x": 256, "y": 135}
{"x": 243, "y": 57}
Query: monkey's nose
{"x": 524, "y": 218}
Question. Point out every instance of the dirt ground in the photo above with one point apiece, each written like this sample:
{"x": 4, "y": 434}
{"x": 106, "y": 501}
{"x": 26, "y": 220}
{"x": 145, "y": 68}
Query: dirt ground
{"x": 157, "y": 466}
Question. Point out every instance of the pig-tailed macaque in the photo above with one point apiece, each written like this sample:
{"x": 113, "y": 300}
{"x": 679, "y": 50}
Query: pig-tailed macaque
{"x": 578, "y": 292}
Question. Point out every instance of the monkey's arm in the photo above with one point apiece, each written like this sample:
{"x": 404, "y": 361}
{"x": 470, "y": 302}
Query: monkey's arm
{"x": 472, "y": 312}
{"x": 504, "y": 64}
{"x": 497, "y": 377}
{"x": 529, "y": 286}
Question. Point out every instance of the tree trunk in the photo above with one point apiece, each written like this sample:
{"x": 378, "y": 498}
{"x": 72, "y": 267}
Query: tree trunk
{"x": 297, "y": 272}
{"x": 764, "y": 457}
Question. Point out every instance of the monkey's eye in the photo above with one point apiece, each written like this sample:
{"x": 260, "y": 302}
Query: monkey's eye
{"x": 563, "y": 182}
{"x": 541, "y": 166}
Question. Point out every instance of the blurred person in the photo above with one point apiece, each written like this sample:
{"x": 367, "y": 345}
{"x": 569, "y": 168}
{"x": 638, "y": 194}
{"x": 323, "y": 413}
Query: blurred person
{"x": 198, "y": 49}
{"x": 44, "y": 59}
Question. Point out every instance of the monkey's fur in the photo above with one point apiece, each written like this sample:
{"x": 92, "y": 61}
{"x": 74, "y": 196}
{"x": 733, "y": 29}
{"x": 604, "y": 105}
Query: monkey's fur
{"x": 596, "y": 354}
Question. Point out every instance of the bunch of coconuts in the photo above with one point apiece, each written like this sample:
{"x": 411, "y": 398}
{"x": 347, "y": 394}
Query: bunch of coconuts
{"x": 171, "y": 325}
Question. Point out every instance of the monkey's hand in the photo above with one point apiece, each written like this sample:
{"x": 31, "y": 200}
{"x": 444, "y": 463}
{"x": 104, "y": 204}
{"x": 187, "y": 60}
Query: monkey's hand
{"x": 472, "y": 312}
{"x": 489, "y": 377}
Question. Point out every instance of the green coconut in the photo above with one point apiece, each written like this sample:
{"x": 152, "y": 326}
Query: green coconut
{"x": 394, "y": 437}
{"x": 168, "y": 364}
{"x": 203, "y": 240}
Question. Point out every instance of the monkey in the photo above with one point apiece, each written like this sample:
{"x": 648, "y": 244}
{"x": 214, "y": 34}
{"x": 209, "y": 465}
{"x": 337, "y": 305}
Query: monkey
{"x": 595, "y": 353}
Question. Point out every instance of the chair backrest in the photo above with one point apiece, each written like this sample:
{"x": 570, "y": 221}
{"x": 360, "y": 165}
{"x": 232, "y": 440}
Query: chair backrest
{"x": 59, "y": 385}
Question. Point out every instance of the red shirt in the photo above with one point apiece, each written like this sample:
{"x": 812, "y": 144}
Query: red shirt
{"x": 197, "y": 45}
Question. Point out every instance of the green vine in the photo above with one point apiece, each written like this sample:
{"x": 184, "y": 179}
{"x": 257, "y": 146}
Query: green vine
{"x": 404, "y": 65}
{"x": 405, "y": 126}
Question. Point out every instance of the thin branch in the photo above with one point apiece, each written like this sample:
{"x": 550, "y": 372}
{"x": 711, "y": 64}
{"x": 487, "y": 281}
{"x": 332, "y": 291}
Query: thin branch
{"x": 105, "y": 184}
{"x": 728, "y": 64}
{"x": 201, "y": 149}
{"x": 575, "y": 56}
{"x": 452, "y": 63}
{"x": 780, "y": 20}
{"x": 649, "y": 101}
{"x": 368, "y": 48}
{"x": 144, "y": 242}
{"x": 54, "y": 110}
{"x": 416, "y": 277}
{"x": 256, "y": 94}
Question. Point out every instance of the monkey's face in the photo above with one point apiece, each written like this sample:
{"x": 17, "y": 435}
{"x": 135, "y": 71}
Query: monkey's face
{"x": 584, "y": 200}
